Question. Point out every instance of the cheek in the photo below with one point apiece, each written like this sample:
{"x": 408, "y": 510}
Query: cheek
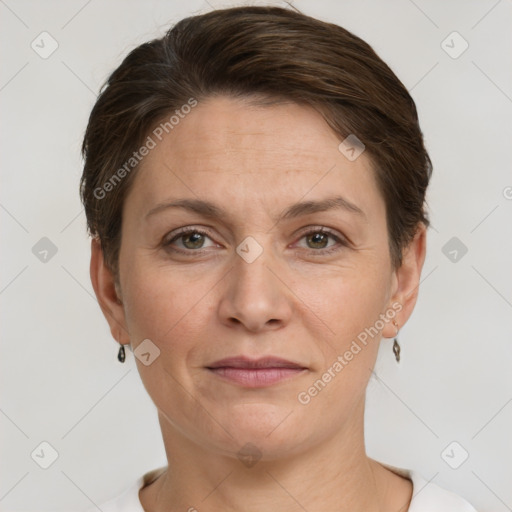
{"x": 160, "y": 305}
{"x": 166, "y": 308}
{"x": 346, "y": 299}
{"x": 351, "y": 306}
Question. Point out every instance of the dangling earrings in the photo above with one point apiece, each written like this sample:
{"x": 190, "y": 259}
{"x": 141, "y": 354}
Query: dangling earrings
{"x": 121, "y": 356}
{"x": 396, "y": 346}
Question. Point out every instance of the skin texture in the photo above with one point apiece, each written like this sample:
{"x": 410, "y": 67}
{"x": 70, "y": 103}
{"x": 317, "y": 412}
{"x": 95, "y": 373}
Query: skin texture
{"x": 293, "y": 301}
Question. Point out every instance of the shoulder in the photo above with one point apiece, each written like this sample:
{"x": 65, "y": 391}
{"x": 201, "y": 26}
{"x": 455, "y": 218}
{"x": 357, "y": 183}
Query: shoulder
{"x": 128, "y": 500}
{"x": 430, "y": 497}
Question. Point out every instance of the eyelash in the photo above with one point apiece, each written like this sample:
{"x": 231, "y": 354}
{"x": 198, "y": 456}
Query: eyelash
{"x": 316, "y": 252}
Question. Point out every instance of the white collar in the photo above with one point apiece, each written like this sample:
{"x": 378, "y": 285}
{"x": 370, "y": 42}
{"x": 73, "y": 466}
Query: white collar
{"x": 426, "y": 497}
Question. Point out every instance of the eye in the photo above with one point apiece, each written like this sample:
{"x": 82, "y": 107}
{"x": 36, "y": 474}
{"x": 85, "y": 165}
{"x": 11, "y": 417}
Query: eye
{"x": 318, "y": 239}
{"x": 192, "y": 240}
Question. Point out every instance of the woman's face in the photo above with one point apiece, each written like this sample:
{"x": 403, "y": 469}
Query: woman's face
{"x": 258, "y": 280}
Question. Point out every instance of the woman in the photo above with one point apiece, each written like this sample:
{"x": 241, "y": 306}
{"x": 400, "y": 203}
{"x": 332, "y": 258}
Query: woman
{"x": 255, "y": 183}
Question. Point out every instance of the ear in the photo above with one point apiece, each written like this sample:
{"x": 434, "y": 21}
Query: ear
{"x": 406, "y": 281}
{"x": 106, "y": 292}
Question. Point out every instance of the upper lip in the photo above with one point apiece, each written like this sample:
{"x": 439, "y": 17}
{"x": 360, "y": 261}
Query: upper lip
{"x": 247, "y": 362}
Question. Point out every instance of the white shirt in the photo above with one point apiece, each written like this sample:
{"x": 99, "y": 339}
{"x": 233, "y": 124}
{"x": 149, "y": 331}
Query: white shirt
{"x": 426, "y": 497}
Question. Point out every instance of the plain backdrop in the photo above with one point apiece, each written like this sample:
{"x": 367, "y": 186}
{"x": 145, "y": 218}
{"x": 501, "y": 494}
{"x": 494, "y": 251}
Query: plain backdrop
{"x": 445, "y": 410}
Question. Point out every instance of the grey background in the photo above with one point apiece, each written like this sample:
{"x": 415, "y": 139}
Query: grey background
{"x": 60, "y": 379}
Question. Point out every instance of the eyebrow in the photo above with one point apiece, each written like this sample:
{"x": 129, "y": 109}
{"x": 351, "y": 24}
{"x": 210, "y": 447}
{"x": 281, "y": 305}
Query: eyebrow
{"x": 210, "y": 210}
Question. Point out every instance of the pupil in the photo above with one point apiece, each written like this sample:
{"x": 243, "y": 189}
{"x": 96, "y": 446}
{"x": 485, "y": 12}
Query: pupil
{"x": 318, "y": 238}
{"x": 195, "y": 237}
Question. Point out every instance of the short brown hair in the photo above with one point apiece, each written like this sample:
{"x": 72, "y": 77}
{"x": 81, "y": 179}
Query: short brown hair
{"x": 268, "y": 52}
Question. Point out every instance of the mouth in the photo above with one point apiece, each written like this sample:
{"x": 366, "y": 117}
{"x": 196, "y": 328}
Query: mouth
{"x": 254, "y": 373}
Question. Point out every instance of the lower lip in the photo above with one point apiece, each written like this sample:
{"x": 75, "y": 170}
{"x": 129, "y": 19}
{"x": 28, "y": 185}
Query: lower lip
{"x": 256, "y": 377}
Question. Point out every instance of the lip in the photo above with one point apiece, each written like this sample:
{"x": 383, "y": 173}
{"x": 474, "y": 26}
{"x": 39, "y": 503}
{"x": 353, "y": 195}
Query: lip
{"x": 253, "y": 373}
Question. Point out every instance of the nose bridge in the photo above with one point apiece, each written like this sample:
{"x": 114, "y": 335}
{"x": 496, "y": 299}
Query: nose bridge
{"x": 251, "y": 274}
{"x": 254, "y": 296}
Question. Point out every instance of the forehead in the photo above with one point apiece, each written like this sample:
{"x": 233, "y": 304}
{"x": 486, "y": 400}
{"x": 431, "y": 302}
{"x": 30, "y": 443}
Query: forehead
{"x": 236, "y": 150}
{"x": 223, "y": 126}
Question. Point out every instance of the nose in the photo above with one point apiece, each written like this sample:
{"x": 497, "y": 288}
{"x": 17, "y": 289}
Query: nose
{"x": 255, "y": 297}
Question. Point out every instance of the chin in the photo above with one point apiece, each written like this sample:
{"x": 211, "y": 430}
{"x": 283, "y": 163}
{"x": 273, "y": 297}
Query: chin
{"x": 264, "y": 432}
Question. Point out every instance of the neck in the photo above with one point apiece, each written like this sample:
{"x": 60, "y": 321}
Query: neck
{"x": 334, "y": 475}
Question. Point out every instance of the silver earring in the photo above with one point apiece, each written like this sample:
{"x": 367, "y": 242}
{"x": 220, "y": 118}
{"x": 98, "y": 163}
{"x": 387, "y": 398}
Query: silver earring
{"x": 396, "y": 346}
{"x": 121, "y": 355}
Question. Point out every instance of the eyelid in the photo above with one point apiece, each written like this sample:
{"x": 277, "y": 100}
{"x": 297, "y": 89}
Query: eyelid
{"x": 319, "y": 228}
{"x": 175, "y": 235}
{"x": 312, "y": 229}
{"x": 340, "y": 238}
